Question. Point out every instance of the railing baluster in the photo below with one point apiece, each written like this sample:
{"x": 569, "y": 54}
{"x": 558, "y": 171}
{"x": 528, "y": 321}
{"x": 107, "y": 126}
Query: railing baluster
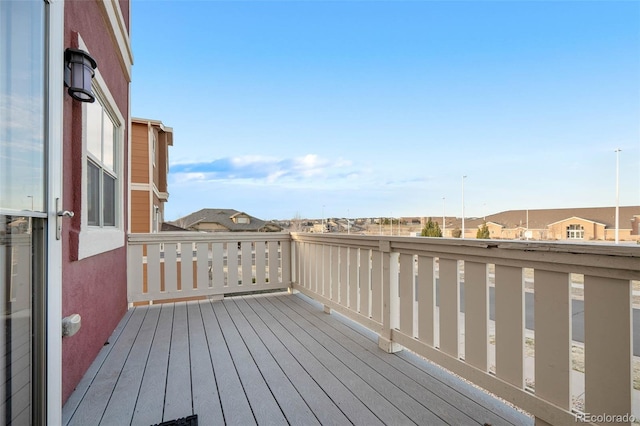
{"x": 246, "y": 261}
{"x": 317, "y": 267}
{"x": 326, "y": 271}
{"x": 376, "y": 285}
{"x": 260, "y": 249}
{"x": 153, "y": 270}
{"x": 202, "y": 262}
{"x": 232, "y": 265}
{"x": 334, "y": 274}
{"x": 304, "y": 254}
{"x": 476, "y": 314}
{"x": 406, "y": 294}
{"x": 509, "y": 299}
{"x": 186, "y": 267}
{"x": 274, "y": 263}
{"x": 342, "y": 279}
{"x": 449, "y": 289}
{"x": 426, "y": 299}
{"x": 217, "y": 264}
{"x": 170, "y": 268}
{"x": 365, "y": 282}
{"x": 608, "y": 340}
{"x": 552, "y": 307}
{"x": 353, "y": 279}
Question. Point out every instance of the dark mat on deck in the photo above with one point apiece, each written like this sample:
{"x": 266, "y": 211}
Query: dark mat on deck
{"x": 185, "y": 421}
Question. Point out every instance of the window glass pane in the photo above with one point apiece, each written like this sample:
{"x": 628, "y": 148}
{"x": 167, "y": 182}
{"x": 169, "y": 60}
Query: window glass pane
{"x": 108, "y": 143}
{"x": 93, "y": 194}
{"x": 94, "y": 129}
{"x": 109, "y": 193}
{"x": 22, "y": 105}
{"x": 16, "y": 243}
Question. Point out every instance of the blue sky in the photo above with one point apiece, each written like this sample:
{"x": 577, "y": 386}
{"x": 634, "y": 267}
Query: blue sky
{"x": 378, "y": 108}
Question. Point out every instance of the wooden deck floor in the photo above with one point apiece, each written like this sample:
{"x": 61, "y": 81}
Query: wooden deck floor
{"x": 267, "y": 359}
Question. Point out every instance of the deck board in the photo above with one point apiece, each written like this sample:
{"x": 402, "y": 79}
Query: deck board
{"x": 98, "y": 395}
{"x": 235, "y": 406}
{"x": 294, "y": 408}
{"x": 150, "y": 401}
{"x": 123, "y": 400}
{"x": 177, "y": 402}
{"x": 355, "y": 411}
{"x": 206, "y": 401}
{"x": 413, "y": 400}
{"x": 263, "y": 404}
{"x": 378, "y": 404}
{"x": 323, "y": 408}
{"x": 448, "y": 389}
{"x": 267, "y": 359}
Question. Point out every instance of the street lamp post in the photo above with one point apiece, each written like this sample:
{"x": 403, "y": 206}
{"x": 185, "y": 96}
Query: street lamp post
{"x": 463, "y": 178}
{"x": 323, "y": 218}
{"x": 444, "y": 223}
{"x": 617, "y": 151}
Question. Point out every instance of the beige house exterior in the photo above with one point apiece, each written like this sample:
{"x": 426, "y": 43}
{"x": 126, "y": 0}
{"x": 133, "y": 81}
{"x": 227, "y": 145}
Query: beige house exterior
{"x": 573, "y": 224}
{"x": 150, "y": 142}
{"x": 224, "y": 220}
{"x": 584, "y": 224}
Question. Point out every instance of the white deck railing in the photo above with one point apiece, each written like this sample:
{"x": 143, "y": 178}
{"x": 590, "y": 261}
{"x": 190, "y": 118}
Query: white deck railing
{"x": 178, "y": 265}
{"x": 408, "y": 290}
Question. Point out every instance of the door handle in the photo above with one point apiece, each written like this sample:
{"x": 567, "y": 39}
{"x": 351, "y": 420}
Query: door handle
{"x": 59, "y": 215}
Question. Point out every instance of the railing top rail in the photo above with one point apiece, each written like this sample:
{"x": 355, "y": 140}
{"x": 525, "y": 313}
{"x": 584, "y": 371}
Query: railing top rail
{"x": 598, "y": 259}
{"x": 179, "y": 237}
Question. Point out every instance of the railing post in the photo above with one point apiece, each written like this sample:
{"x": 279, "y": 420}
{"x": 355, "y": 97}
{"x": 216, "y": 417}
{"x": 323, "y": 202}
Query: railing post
{"x": 390, "y": 302}
{"x": 294, "y": 266}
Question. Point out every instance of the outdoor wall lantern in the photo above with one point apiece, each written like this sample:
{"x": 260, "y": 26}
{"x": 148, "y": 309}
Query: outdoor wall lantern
{"x": 78, "y": 72}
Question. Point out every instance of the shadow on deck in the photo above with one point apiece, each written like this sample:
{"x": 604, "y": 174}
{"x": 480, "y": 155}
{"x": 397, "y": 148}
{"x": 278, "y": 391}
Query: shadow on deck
{"x": 267, "y": 359}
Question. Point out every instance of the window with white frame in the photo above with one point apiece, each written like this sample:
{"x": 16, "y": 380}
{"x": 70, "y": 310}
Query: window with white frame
{"x": 575, "y": 232}
{"x": 103, "y": 162}
{"x": 102, "y": 176}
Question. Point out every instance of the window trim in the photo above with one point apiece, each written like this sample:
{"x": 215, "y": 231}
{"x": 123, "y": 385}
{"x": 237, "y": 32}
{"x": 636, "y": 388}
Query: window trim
{"x": 93, "y": 239}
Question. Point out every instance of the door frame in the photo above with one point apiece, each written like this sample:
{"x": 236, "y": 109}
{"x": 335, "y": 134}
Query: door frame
{"x": 54, "y": 30}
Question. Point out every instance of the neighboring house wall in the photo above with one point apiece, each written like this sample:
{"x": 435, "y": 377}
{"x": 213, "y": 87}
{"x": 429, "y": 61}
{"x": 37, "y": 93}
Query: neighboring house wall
{"x": 149, "y": 168}
{"x": 140, "y": 212}
{"x": 576, "y": 228}
{"x": 94, "y": 272}
{"x": 139, "y": 153}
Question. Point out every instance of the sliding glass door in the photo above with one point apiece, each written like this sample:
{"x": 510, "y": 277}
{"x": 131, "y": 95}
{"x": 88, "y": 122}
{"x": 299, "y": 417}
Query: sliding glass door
{"x": 23, "y": 211}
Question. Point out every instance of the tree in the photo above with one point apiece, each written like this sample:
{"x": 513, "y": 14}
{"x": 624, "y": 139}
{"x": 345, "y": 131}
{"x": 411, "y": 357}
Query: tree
{"x": 483, "y": 232}
{"x": 456, "y": 233}
{"x": 296, "y": 223}
{"x": 431, "y": 229}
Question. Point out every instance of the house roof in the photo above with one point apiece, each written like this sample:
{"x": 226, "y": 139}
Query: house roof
{"x": 540, "y": 219}
{"x": 157, "y": 123}
{"x": 224, "y": 217}
{"x": 166, "y": 226}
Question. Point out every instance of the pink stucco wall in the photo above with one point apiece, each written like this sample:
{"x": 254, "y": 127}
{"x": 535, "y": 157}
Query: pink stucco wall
{"x": 95, "y": 287}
